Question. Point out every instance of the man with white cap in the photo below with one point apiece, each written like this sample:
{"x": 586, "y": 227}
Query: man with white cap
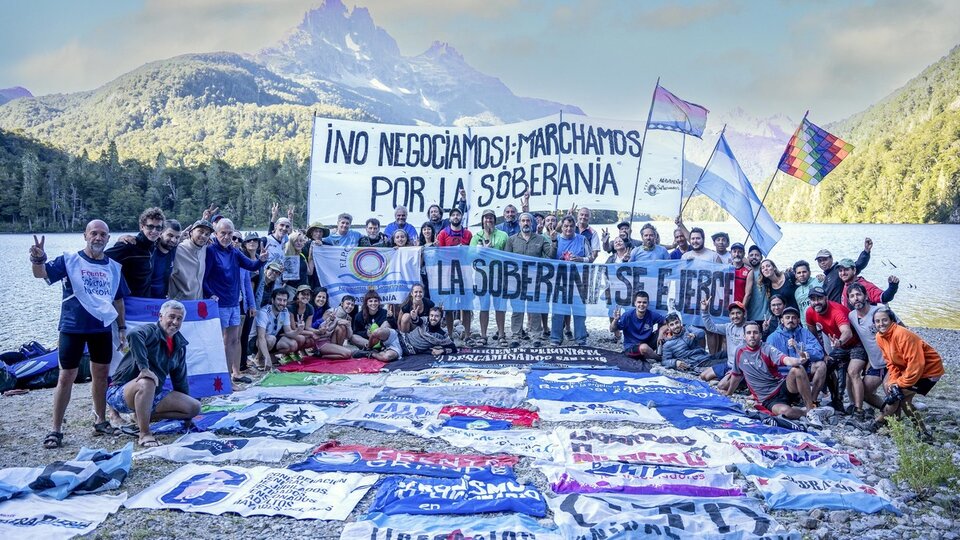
{"x": 832, "y": 284}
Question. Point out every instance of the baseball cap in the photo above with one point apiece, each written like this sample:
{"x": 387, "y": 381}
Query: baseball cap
{"x": 488, "y": 213}
{"x": 457, "y": 210}
{"x": 791, "y": 309}
{"x": 720, "y": 235}
{"x": 816, "y": 291}
{"x": 251, "y": 236}
{"x": 736, "y": 304}
{"x": 275, "y": 266}
{"x": 823, "y": 254}
{"x": 847, "y": 263}
{"x": 623, "y": 224}
{"x": 736, "y": 246}
{"x": 304, "y": 287}
{"x": 203, "y": 223}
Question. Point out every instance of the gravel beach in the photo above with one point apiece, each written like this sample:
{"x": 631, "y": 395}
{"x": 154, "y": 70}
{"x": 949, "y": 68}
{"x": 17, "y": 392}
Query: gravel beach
{"x": 935, "y": 516}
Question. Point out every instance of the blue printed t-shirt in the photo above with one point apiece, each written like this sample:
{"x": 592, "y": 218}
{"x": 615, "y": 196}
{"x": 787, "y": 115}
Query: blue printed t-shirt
{"x": 74, "y": 319}
{"x": 638, "y": 330}
{"x": 576, "y": 246}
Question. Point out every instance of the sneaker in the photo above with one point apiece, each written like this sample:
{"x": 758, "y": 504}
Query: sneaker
{"x": 859, "y": 414}
{"x": 815, "y": 417}
{"x": 568, "y": 334}
{"x": 514, "y": 344}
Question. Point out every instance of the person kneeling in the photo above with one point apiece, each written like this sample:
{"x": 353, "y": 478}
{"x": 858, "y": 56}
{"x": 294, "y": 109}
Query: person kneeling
{"x": 156, "y": 351}
{"x": 426, "y": 336}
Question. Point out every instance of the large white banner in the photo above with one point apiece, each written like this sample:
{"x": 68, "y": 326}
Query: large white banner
{"x": 368, "y": 169}
{"x": 33, "y": 517}
{"x": 260, "y": 491}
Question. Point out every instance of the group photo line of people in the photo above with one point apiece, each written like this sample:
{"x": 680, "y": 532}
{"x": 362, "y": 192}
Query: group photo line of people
{"x": 797, "y": 337}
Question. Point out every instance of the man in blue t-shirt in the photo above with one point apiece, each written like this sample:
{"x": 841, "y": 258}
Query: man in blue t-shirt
{"x": 343, "y": 236}
{"x": 637, "y": 324}
{"x": 93, "y": 292}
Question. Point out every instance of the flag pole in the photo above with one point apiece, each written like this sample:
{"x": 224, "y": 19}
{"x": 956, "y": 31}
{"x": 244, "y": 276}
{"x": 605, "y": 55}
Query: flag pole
{"x": 556, "y": 197}
{"x": 755, "y": 216}
{"x": 643, "y": 146}
{"x": 704, "y": 171}
{"x": 683, "y": 159}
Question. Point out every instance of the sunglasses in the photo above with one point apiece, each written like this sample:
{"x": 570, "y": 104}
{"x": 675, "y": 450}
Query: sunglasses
{"x": 153, "y": 227}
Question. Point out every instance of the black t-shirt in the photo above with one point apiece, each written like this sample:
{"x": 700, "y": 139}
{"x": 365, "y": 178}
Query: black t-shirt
{"x": 360, "y": 326}
{"x": 296, "y": 318}
{"x": 427, "y": 306}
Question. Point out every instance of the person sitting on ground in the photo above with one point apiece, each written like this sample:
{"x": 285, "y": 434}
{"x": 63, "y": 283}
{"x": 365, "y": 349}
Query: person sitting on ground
{"x": 733, "y": 331}
{"x": 913, "y": 367}
{"x": 344, "y": 314}
{"x": 374, "y": 238}
{"x": 758, "y": 364}
{"x": 849, "y": 275}
{"x": 335, "y": 329}
{"x": 275, "y": 336}
{"x": 371, "y": 316}
{"x": 637, "y": 324}
{"x": 649, "y": 249}
{"x": 426, "y": 336}
{"x": 790, "y": 337}
{"x": 684, "y": 350}
{"x": 413, "y": 308}
{"x": 872, "y": 373}
{"x": 697, "y": 251}
{"x": 343, "y": 236}
{"x": 301, "y": 317}
{"x": 156, "y": 351}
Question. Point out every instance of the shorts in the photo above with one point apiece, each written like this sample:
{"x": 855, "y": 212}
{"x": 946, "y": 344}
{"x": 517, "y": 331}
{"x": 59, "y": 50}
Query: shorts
{"x": 782, "y": 395}
{"x": 393, "y": 343}
{"x": 70, "y": 348}
{"x": 924, "y": 385}
{"x": 720, "y": 369}
{"x": 115, "y": 398}
{"x": 229, "y": 316}
{"x": 877, "y": 372}
{"x": 845, "y": 355}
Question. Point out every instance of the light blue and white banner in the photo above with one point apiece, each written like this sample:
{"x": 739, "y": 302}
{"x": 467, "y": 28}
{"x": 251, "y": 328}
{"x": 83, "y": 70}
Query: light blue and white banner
{"x": 481, "y": 278}
{"x": 353, "y": 271}
{"x": 379, "y": 526}
{"x": 206, "y": 360}
{"x": 803, "y": 488}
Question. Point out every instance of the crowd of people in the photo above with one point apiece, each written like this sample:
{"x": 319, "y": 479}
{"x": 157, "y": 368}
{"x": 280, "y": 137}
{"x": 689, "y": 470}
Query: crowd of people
{"x": 795, "y": 337}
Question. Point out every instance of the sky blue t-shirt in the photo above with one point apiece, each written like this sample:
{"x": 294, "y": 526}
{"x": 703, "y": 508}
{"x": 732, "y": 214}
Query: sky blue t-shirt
{"x": 638, "y": 330}
{"x": 351, "y": 239}
{"x": 576, "y": 246}
{"x": 74, "y": 319}
{"x": 658, "y": 253}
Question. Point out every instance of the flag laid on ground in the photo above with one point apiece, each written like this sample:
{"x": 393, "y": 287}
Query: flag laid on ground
{"x": 90, "y": 472}
{"x": 473, "y": 494}
{"x": 797, "y": 455}
{"x": 812, "y": 153}
{"x": 208, "y": 447}
{"x": 416, "y": 418}
{"x": 279, "y": 420}
{"x": 206, "y": 361}
{"x": 660, "y": 446}
{"x": 803, "y": 488}
{"x": 384, "y": 527}
{"x": 37, "y": 518}
{"x": 626, "y": 479}
{"x": 725, "y": 183}
{"x": 260, "y": 491}
{"x": 668, "y": 112}
{"x": 332, "y": 456}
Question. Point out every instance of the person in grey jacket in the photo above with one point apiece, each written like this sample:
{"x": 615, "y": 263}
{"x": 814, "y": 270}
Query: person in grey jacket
{"x": 527, "y": 242}
{"x": 156, "y": 352}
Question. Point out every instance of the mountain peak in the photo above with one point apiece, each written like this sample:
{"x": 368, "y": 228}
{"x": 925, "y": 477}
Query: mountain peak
{"x": 441, "y": 49}
{"x": 12, "y": 93}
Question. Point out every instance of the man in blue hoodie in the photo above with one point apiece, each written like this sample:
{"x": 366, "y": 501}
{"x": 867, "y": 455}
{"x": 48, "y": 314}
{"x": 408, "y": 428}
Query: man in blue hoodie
{"x": 221, "y": 282}
{"x": 792, "y": 338}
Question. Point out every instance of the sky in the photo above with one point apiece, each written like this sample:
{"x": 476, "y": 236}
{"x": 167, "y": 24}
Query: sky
{"x": 768, "y": 57}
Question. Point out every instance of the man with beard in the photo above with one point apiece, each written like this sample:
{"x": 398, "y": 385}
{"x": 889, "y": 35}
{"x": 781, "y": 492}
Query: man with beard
{"x": 163, "y": 258}
{"x": 373, "y": 238}
{"x": 697, "y": 251}
{"x": 792, "y": 338}
{"x": 489, "y": 237}
{"x": 828, "y": 320}
{"x": 680, "y": 235}
{"x": 684, "y": 351}
{"x": 849, "y": 275}
{"x": 427, "y": 336}
{"x": 733, "y": 331}
{"x": 343, "y": 236}
{"x": 832, "y": 284}
{"x": 758, "y": 364}
{"x": 805, "y": 282}
{"x": 861, "y": 320}
{"x": 510, "y": 224}
{"x": 527, "y": 242}
{"x": 93, "y": 291}
{"x": 571, "y": 247}
{"x": 221, "y": 282}
{"x": 755, "y": 295}
{"x": 435, "y": 214}
{"x": 741, "y": 273}
{"x": 400, "y": 222}
{"x": 189, "y": 263}
{"x": 156, "y": 351}
{"x": 649, "y": 249}
{"x": 137, "y": 259}
{"x": 720, "y": 242}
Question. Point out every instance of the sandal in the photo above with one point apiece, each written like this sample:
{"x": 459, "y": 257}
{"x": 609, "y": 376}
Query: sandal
{"x": 130, "y": 429}
{"x": 105, "y": 428}
{"x": 148, "y": 441}
{"x": 53, "y": 440}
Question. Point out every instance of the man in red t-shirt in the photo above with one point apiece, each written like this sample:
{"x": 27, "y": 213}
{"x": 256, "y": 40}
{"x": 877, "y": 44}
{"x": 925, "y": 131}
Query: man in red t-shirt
{"x": 829, "y": 322}
{"x": 740, "y": 272}
{"x": 455, "y": 234}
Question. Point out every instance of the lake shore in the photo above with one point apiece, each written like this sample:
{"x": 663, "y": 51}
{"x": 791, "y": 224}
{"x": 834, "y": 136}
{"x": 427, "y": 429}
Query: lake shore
{"x": 937, "y": 516}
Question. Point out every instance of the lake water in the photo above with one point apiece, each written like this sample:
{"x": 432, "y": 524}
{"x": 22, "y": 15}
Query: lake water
{"x": 923, "y": 256}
